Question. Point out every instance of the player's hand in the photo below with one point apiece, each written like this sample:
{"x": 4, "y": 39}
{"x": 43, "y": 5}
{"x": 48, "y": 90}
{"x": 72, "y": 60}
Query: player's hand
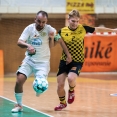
{"x": 31, "y": 50}
{"x": 68, "y": 59}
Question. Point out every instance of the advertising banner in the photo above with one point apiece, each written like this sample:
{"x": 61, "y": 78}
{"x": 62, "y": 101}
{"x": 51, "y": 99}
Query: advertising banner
{"x": 84, "y": 6}
{"x": 100, "y": 53}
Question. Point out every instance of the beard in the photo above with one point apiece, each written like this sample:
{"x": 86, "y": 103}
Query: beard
{"x": 39, "y": 27}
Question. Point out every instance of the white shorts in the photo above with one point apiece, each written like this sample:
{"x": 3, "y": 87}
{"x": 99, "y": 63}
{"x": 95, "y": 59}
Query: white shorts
{"x": 40, "y": 69}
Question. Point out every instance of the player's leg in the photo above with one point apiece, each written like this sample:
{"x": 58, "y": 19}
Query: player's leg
{"x": 73, "y": 74}
{"x": 61, "y": 91}
{"x": 21, "y": 78}
{"x": 61, "y": 76}
{"x": 23, "y": 72}
{"x": 41, "y": 70}
{"x": 72, "y": 83}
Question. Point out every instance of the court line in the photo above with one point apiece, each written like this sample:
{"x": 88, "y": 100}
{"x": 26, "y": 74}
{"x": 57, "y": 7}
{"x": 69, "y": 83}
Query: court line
{"x": 113, "y": 94}
{"x": 27, "y": 106}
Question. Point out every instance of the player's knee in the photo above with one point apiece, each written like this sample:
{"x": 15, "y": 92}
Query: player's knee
{"x": 21, "y": 78}
{"x": 60, "y": 85}
{"x": 20, "y": 82}
{"x": 71, "y": 79}
{"x": 72, "y": 76}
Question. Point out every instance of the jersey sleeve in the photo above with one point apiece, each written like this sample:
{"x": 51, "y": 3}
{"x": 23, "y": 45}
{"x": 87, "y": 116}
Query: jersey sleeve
{"x": 25, "y": 34}
{"x": 52, "y": 29}
{"x": 89, "y": 29}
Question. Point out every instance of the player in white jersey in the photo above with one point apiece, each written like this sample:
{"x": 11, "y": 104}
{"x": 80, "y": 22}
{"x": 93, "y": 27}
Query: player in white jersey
{"x": 37, "y": 38}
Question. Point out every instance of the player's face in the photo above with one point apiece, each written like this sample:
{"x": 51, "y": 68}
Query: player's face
{"x": 40, "y": 21}
{"x": 73, "y": 22}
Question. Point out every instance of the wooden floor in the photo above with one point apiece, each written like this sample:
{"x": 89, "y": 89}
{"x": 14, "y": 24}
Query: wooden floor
{"x": 92, "y": 96}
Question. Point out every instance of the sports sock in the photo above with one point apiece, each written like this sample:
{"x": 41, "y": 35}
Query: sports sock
{"x": 71, "y": 88}
{"x": 18, "y": 97}
{"x": 62, "y": 99}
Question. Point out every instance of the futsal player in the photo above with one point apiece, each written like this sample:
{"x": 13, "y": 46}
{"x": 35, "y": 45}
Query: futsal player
{"x": 73, "y": 36}
{"x": 37, "y": 38}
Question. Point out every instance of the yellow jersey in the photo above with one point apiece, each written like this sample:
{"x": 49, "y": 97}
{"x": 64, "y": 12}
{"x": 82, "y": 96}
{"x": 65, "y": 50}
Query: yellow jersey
{"x": 74, "y": 40}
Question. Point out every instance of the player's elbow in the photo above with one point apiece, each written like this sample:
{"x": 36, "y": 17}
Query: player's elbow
{"x": 20, "y": 44}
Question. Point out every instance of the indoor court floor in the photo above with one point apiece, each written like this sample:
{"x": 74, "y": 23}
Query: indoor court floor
{"x": 92, "y": 97}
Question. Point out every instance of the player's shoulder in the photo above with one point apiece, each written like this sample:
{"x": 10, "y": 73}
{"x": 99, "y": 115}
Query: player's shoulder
{"x": 65, "y": 28}
{"x": 80, "y": 26}
{"x": 49, "y": 28}
{"x": 30, "y": 26}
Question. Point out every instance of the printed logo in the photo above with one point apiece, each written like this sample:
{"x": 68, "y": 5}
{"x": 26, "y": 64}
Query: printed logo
{"x": 66, "y": 34}
{"x": 36, "y": 42}
{"x": 43, "y": 34}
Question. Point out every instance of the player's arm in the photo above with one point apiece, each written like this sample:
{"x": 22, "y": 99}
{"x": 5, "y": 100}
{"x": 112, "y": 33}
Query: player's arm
{"x": 51, "y": 39}
{"x": 22, "y": 41}
{"x": 23, "y": 44}
{"x": 98, "y": 29}
{"x": 65, "y": 49}
{"x": 58, "y": 39}
{"x": 103, "y": 29}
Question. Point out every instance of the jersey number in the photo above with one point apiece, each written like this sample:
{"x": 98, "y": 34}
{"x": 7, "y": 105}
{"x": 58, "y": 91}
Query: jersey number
{"x": 73, "y": 37}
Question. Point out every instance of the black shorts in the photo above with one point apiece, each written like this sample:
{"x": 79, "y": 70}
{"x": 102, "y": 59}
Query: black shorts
{"x": 63, "y": 68}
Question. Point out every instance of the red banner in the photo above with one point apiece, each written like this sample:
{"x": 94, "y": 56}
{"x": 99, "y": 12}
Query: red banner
{"x": 100, "y": 53}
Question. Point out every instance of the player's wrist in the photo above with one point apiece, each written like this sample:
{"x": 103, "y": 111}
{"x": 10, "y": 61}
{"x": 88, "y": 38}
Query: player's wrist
{"x": 28, "y": 46}
{"x": 57, "y": 37}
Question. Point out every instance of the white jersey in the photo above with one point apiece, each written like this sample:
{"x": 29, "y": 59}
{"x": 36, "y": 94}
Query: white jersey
{"x": 39, "y": 40}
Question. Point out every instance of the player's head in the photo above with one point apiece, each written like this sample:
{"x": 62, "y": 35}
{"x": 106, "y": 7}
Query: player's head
{"x": 41, "y": 20}
{"x": 73, "y": 19}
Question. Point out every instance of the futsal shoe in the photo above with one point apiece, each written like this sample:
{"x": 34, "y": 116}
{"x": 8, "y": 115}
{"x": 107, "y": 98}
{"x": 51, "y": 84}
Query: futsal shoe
{"x": 38, "y": 94}
{"x": 60, "y": 107}
{"x": 17, "y": 109}
{"x": 19, "y": 114}
{"x": 71, "y": 97}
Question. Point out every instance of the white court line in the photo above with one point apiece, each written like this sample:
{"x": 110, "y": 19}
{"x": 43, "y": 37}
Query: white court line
{"x": 113, "y": 94}
{"x": 27, "y": 106}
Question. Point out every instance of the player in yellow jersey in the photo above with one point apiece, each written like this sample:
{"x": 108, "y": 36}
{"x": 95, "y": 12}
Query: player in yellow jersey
{"x": 73, "y": 36}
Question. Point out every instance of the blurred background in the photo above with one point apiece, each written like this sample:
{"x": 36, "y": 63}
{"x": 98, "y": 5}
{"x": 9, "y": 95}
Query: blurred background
{"x": 15, "y": 15}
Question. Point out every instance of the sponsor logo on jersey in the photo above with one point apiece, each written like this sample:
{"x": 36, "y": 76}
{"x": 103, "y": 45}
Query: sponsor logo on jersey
{"x": 36, "y": 42}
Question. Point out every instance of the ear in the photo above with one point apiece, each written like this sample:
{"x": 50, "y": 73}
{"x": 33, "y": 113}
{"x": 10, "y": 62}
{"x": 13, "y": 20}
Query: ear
{"x": 35, "y": 19}
{"x": 68, "y": 20}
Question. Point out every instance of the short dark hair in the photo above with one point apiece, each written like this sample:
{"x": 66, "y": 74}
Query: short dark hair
{"x": 43, "y": 13}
